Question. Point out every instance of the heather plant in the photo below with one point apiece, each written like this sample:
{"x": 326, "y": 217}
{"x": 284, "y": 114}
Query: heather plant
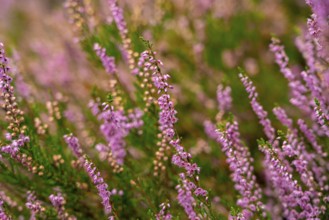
{"x": 164, "y": 110}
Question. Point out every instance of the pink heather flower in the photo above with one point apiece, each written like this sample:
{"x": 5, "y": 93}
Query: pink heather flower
{"x": 297, "y": 89}
{"x": 164, "y": 214}
{"x": 167, "y": 115}
{"x": 240, "y": 163}
{"x": 224, "y": 98}
{"x": 258, "y": 109}
{"x": 282, "y": 116}
{"x": 34, "y": 205}
{"x": 308, "y": 133}
{"x": 116, "y": 126}
{"x": 118, "y": 17}
{"x": 167, "y": 120}
{"x": 94, "y": 107}
{"x": 3, "y": 215}
{"x": 185, "y": 197}
{"x": 295, "y": 148}
{"x": 14, "y": 147}
{"x": 108, "y": 62}
{"x": 210, "y": 129}
{"x": 5, "y": 79}
{"x": 22, "y": 88}
{"x": 148, "y": 62}
{"x": 306, "y": 47}
{"x": 117, "y": 14}
{"x": 321, "y": 9}
{"x": 181, "y": 159}
{"x": 58, "y": 202}
{"x": 91, "y": 170}
{"x": 73, "y": 143}
{"x": 321, "y": 120}
{"x": 289, "y": 192}
{"x": 316, "y": 89}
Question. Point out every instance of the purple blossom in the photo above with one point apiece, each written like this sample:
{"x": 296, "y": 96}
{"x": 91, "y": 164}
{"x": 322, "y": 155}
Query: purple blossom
{"x": 321, "y": 9}
{"x": 289, "y": 192}
{"x": 73, "y": 143}
{"x": 148, "y": 62}
{"x": 91, "y": 170}
{"x": 297, "y": 89}
{"x": 108, "y": 62}
{"x": 14, "y": 147}
{"x": 224, "y": 98}
{"x": 311, "y": 137}
{"x": 58, "y": 202}
{"x": 258, "y": 109}
{"x": 295, "y": 148}
{"x": 282, "y": 116}
{"x": 117, "y": 14}
{"x": 5, "y": 79}
{"x": 118, "y": 17}
{"x": 239, "y": 160}
{"x": 167, "y": 120}
{"x": 321, "y": 119}
{"x": 185, "y": 197}
{"x": 3, "y": 215}
{"x": 164, "y": 214}
{"x": 306, "y": 47}
{"x": 116, "y": 126}
{"x": 210, "y": 129}
{"x": 316, "y": 89}
{"x": 34, "y": 205}
{"x": 167, "y": 115}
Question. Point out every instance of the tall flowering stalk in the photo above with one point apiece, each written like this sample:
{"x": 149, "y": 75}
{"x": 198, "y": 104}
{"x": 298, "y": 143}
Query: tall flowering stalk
{"x": 117, "y": 14}
{"x": 107, "y": 61}
{"x": 291, "y": 195}
{"x": 13, "y": 114}
{"x": 240, "y": 163}
{"x": 303, "y": 161}
{"x": 311, "y": 137}
{"x": 300, "y": 96}
{"x": 116, "y": 124}
{"x": 167, "y": 120}
{"x": 258, "y": 108}
{"x": 16, "y": 131}
{"x": 297, "y": 88}
{"x": 93, "y": 173}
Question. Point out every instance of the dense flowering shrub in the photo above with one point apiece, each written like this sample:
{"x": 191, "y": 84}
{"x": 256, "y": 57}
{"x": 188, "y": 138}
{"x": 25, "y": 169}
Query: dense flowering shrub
{"x": 95, "y": 126}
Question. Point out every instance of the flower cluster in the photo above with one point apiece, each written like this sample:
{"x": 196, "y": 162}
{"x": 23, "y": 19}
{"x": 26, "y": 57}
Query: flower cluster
{"x": 132, "y": 126}
{"x": 58, "y": 201}
{"x": 258, "y": 109}
{"x": 34, "y": 205}
{"x": 117, "y": 14}
{"x": 91, "y": 170}
{"x": 14, "y": 147}
{"x": 290, "y": 193}
{"x": 224, "y": 98}
{"x": 13, "y": 114}
{"x": 3, "y": 214}
{"x": 116, "y": 126}
{"x": 239, "y": 160}
{"x": 167, "y": 120}
{"x": 297, "y": 88}
{"x": 108, "y": 62}
{"x": 164, "y": 214}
